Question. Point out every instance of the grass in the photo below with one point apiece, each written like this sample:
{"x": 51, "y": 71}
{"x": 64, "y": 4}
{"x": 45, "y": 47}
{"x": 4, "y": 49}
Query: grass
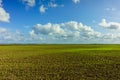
{"x": 60, "y": 62}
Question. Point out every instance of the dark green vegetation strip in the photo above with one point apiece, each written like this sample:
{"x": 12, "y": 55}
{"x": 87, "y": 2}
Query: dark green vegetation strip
{"x": 60, "y": 62}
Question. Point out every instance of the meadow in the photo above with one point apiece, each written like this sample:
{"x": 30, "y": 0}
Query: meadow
{"x": 60, "y": 62}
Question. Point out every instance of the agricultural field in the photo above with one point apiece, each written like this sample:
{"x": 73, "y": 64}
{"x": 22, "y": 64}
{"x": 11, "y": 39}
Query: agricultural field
{"x": 60, "y": 62}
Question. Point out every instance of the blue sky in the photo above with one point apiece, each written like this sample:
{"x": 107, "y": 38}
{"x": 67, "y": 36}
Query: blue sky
{"x": 59, "y": 21}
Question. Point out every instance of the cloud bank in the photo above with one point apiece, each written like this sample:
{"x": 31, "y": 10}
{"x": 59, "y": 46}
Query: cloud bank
{"x": 67, "y": 32}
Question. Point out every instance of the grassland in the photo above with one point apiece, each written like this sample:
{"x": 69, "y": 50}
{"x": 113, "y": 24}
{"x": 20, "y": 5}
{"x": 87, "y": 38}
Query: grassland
{"x": 60, "y": 62}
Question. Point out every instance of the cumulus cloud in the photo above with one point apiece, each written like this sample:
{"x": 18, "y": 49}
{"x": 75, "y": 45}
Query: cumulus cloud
{"x": 110, "y": 25}
{"x": 76, "y": 1}
{"x": 7, "y": 35}
{"x": 32, "y": 33}
{"x": 30, "y": 3}
{"x": 42, "y": 9}
{"x": 4, "y": 16}
{"x": 67, "y": 30}
{"x": 47, "y": 29}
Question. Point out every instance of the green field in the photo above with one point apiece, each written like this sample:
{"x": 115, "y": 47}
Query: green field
{"x": 60, "y": 62}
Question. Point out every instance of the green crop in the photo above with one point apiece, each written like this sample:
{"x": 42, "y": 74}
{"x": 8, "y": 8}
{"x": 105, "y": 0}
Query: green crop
{"x": 60, "y": 62}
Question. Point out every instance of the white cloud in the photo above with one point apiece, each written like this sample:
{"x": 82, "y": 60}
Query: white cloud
{"x": 32, "y": 33}
{"x": 52, "y": 5}
{"x": 3, "y": 31}
{"x": 110, "y": 25}
{"x": 4, "y": 16}
{"x": 47, "y": 29}
{"x": 6, "y": 35}
{"x": 67, "y": 30}
{"x": 30, "y": 3}
{"x": 76, "y": 1}
{"x": 42, "y": 9}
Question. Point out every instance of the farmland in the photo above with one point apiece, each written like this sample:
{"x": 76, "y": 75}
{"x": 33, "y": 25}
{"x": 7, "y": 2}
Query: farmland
{"x": 60, "y": 62}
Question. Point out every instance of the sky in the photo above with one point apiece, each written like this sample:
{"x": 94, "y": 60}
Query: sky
{"x": 60, "y": 21}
